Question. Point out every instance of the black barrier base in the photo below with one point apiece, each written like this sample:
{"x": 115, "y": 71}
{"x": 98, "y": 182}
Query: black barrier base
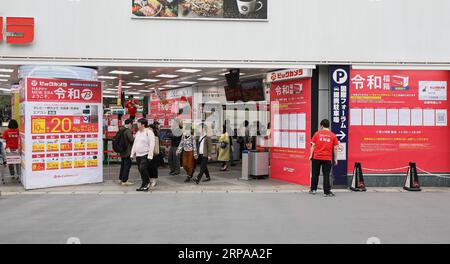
{"x": 358, "y": 189}
{"x": 412, "y": 189}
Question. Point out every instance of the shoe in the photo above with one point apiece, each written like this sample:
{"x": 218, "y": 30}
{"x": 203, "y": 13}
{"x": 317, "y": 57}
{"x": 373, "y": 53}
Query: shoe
{"x": 154, "y": 183}
{"x": 206, "y": 180}
{"x": 329, "y": 195}
{"x": 143, "y": 189}
{"x": 172, "y": 172}
{"x": 188, "y": 179}
{"x": 195, "y": 180}
{"x": 313, "y": 192}
{"x": 127, "y": 183}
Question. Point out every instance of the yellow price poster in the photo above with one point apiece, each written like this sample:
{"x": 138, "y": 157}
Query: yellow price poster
{"x": 52, "y": 162}
{"x": 79, "y": 160}
{"x": 92, "y": 163}
{"x": 52, "y": 143}
{"x": 38, "y": 125}
{"x": 66, "y": 161}
{"x": 92, "y": 158}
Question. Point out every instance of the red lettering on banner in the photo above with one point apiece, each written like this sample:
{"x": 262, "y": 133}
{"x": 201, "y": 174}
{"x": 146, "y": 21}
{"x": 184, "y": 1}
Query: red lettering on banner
{"x": 72, "y": 91}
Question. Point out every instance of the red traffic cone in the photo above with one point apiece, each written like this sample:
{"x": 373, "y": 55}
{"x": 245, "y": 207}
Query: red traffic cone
{"x": 412, "y": 179}
{"x": 358, "y": 184}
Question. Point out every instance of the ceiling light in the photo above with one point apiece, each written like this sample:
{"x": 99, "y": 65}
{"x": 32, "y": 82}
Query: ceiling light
{"x": 133, "y": 93}
{"x": 111, "y": 89}
{"x": 107, "y": 77}
{"x": 189, "y": 70}
{"x": 3, "y": 80}
{"x": 135, "y": 83}
{"x": 7, "y": 70}
{"x": 5, "y": 75}
{"x": 121, "y": 72}
{"x": 144, "y": 91}
{"x": 223, "y": 74}
{"x": 188, "y": 83}
{"x": 208, "y": 79}
{"x": 150, "y": 80}
{"x": 124, "y": 87}
{"x": 109, "y": 96}
{"x": 168, "y": 76}
{"x": 109, "y": 92}
{"x": 171, "y": 86}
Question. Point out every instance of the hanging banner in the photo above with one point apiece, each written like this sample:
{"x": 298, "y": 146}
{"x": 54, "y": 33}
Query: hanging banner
{"x": 290, "y": 104}
{"x": 63, "y": 126}
{"x": 339, "y": 77}
{"x": 176, "y": 104}
{"x": 397, "y": 117}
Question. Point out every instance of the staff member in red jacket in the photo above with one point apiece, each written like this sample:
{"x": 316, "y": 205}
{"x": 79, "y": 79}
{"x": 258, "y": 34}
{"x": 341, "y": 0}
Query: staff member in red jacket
{"x": 11, "y": 138}
{"x": 131, "y": 104}
{"x": 323, "y": 144}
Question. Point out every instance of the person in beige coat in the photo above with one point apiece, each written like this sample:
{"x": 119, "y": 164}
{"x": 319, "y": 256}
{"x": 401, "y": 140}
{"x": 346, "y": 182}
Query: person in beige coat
{"x": 224, "y": 149}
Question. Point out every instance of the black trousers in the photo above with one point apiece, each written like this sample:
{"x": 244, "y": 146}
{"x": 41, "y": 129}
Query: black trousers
{"x": 326, "y": 169}
{"x": 153, "y": 167}
{"x": 144, "y": 169}
{"x": 203, "y": 167}
{"x": 125, "y": 166}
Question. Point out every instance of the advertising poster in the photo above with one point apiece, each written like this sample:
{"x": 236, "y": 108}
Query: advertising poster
{"x": 63, "y": 126}
{"x": 176, "y": 104}
{"x": 201, "y": 9}
{"x": 396, "y": 117}
{"x": 291, "y": 130}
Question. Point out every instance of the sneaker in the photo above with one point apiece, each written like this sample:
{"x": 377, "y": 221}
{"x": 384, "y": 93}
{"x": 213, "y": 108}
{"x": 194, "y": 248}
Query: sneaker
{"x": 206, "y": 180}
{"x": 143, "y": 189}
{"x": 127, "y": 183}
{"x": 313, "y": 192}
{"x": 195, "y": 180}
{"x": 329, "y": 195}
{"x": 153, "y": 184}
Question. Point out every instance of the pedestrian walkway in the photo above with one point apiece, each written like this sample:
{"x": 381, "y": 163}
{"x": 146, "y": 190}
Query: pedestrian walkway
{"x": 221, "y": 182}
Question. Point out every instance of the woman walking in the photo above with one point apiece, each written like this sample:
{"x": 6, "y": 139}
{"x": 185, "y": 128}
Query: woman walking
{"x": 224, "y": 150}
{"x": 156, "y": 161}
{"x": 143, "y": 150}
{"x": 189, "y": 148}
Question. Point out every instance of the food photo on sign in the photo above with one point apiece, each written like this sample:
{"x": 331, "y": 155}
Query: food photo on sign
{"x": 201, "y": 9}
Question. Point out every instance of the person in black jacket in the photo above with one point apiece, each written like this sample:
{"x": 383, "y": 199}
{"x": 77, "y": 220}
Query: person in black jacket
{"x": 174, "y": 159}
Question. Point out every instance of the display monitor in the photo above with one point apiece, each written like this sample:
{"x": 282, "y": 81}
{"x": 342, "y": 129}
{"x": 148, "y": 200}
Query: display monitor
{"x": 252, "y": 90}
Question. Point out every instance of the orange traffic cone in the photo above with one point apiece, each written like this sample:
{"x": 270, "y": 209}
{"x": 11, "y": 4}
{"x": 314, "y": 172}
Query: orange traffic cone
{"x": 412, "y": 179}
{"x": 358, "y": 179}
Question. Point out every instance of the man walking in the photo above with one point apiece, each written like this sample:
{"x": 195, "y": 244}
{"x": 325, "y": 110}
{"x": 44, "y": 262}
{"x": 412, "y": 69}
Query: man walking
{"x": 174, "y": 159}
{"x": 204, "y": 151}
{"x": 125, "y": 163}
{"x": 323, "y": 144}
{"x": 143, "y": 149}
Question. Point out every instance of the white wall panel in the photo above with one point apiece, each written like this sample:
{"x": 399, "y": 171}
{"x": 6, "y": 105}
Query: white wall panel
{"x": 298, "y": 30}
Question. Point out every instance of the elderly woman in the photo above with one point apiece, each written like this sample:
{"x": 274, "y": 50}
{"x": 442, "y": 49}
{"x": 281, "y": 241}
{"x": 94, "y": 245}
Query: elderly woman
{"x": 189, "y": 148}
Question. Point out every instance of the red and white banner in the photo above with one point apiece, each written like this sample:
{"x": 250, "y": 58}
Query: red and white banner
{"x": 53, "y": 90}
{"x": 290, "y": 104}
{"x": 62, "y": 125}
{"x": 176, "y": 104}
{"x": 397, "y": 117}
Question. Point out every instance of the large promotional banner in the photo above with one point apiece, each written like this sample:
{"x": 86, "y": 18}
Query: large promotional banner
{"x": 201, "y": 9}
{"x": 397, "y": 117}
{"x": 290, "y": 104}
{"x": 62, "y": 137}
{"x": 175, "y": 104}
{"x": 339, "y": 77}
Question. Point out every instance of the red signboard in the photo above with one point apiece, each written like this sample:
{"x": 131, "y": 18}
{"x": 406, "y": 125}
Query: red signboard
{"x": 19, "y": 30}
{"x": 291, "y": 130}
{"x": 397, "y": 117}
{"x": 73, "y": 91}
{"x": 170, "y": 109}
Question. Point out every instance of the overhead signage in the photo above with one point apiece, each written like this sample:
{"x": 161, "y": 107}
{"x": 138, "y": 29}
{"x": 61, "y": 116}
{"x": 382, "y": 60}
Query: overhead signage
{"x": 244, "y": 10}
{"x": 18, "y": 30}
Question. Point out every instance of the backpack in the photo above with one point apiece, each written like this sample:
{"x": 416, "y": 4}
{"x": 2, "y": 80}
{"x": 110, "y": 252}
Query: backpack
{"x": 118, "y": 142}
